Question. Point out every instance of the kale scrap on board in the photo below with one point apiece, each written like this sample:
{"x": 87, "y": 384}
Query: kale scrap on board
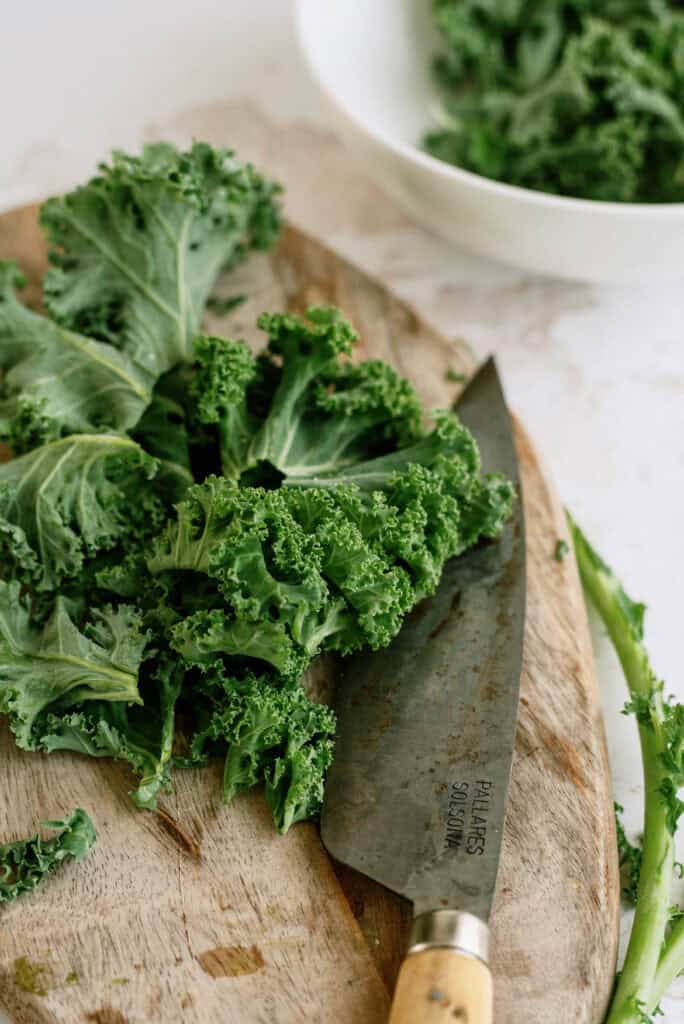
{"x": 185, "y": 526}
{"x": 576, "y": 98}
{"x": 24, "y": 864}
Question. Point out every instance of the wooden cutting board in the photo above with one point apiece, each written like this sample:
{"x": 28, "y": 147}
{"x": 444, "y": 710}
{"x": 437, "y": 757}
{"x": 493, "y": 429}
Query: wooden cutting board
{"x": 200, "y": 913}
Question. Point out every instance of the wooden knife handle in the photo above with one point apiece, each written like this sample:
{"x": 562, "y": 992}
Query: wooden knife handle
{"x": 443, "y": 986}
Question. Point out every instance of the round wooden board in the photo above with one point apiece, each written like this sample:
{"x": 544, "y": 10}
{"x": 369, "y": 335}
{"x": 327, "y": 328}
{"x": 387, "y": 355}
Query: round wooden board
{"x": 200, "y": 913}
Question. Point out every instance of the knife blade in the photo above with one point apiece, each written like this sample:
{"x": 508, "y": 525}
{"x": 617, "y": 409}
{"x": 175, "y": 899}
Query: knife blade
{"x": 416, "y": 797}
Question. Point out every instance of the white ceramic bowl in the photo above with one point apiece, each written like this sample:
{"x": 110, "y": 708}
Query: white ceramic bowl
{"x": 371, "y": 60}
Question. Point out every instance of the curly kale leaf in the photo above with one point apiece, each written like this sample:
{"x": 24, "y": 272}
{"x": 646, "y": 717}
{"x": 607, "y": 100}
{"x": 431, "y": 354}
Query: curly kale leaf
{"x": 68, "y": 500}
{"x": 274, "y": 734}
{"x": 294, "y": 575}
{"x": 223, "y": 371}
{"x": 59, "y": 665}
{"x": 449, "y": 439}
{"x": 137, "y": 249}
{"x": 263, "y": 611}
{"x": 304, "y": 569}
{"x": 141, "y": 735}
{"x": 564, "y": 98}
{"x": 202, "y": 635}
{"x": 307, "y": 350}
{"x": 301, "y": 408}
{"x": 56, "y": 381}
{"x": 295, "y": 780}
{"x": 24, "y": 864}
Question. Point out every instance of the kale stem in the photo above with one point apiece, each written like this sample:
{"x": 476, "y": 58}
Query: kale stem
{"x": 636, "y": 982}
{"x": 670, "y": 965}
{"x": 622, "y": 620}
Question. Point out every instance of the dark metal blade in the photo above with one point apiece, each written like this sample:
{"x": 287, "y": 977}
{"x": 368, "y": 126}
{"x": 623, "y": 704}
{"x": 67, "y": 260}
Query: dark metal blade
{"x": 416, "y": 797}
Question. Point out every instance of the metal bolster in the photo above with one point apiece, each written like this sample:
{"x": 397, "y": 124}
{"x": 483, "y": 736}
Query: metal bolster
{"x": 450, "y": 929}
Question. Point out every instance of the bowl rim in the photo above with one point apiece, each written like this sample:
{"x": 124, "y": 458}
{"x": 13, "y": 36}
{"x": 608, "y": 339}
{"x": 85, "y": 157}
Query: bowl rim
{"x": 450, "y": 172}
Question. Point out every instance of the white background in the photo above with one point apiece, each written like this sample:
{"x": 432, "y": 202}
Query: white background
{"x": 597, "y": 374}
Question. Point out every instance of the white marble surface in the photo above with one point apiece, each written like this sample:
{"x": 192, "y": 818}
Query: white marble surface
{"x": 597, "y": 374}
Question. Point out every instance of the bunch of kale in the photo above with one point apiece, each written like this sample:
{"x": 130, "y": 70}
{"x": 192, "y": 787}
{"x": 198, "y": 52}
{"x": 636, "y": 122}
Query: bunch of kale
{"x": 572, "y": 97}
{"x": 185, "y": 525}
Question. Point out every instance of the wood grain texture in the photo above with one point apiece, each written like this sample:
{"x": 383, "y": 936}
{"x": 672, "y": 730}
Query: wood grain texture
{"x": 201, "y": 913}
{"x": 250, "y": 927}
{"x": 442, "y": 986}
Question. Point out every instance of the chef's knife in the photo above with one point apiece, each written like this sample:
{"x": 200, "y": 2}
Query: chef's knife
{"x": 416, "y": 797}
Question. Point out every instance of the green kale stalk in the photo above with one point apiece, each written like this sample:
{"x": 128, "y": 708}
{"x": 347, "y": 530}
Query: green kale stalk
{"x": 655, "y": 955}
{"x": 569, "y": 97}
{"x": 24, "y": 864}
